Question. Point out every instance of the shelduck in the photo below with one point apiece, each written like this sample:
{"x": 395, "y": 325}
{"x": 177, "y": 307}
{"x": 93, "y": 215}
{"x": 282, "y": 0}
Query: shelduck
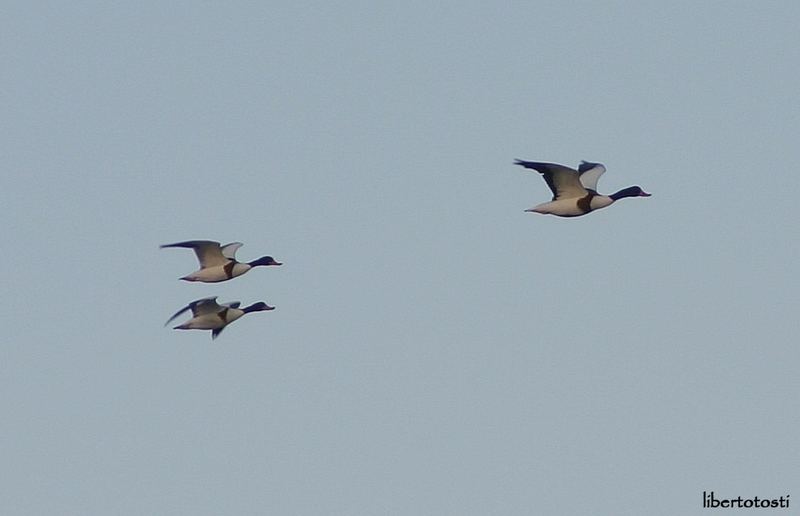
{"x": 207, "y": 314}
{"x": 575, "y": 191}
{"x": 218, "y": 262}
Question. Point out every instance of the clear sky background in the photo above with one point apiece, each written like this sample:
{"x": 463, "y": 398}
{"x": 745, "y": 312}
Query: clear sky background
{"x": 435, "y": 350}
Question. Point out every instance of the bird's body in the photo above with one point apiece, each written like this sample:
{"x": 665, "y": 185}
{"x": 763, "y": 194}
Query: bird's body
{"x": 571, "y": 207}
{"x": 207, "y": 314}
{"x": 218, "y": 273}
{"x": 575, "y": 191}
{"x": 218, "y": 262}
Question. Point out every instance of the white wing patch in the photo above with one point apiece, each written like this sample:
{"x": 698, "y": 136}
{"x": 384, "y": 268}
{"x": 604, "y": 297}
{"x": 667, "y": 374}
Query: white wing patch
{"x": 563, "y": 181}
{"x": 209, "y": 255}
{"x": 590, "y": 176}
{"x": 229, "y": 250}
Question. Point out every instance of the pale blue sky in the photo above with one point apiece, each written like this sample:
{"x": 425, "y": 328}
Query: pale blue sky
{"x": 435, "y": 350}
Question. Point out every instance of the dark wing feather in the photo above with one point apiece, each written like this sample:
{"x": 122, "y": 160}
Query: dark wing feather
{"x": 176, "y": 314}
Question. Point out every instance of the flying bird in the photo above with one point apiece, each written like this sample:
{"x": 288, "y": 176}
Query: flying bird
{"x": 218, "y": 262}
{"x": 207, "y": 314}
{"x": 575, "y": 191}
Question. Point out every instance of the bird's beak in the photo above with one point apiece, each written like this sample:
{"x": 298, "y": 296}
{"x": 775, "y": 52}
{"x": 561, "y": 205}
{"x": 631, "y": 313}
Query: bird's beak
{"x": 644, "y": 194}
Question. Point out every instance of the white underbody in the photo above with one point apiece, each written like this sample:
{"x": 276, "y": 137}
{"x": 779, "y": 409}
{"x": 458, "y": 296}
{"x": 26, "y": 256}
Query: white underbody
{"x": 217, "y": 273}
{"x": 211, "y": 321}
{"x": 570, "y": 208}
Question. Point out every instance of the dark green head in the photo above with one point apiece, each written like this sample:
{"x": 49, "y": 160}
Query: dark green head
{"x": 264, "y": 260}
{"x": 631, "y": 191}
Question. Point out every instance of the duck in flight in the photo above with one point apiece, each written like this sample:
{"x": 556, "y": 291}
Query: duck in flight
{"x": 218, "y": 262}
{"x": 207, "y": 314}
{"x": 575, "y": 191}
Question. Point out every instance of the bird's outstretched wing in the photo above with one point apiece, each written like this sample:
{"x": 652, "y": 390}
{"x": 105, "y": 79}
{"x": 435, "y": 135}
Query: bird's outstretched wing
{"x": 198, "y": 307}
{"x": 229, "y": 250}
{"x": 209, "y": 253}
{"x": 590, "y": 173}
{"x": 563, "y": 181}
